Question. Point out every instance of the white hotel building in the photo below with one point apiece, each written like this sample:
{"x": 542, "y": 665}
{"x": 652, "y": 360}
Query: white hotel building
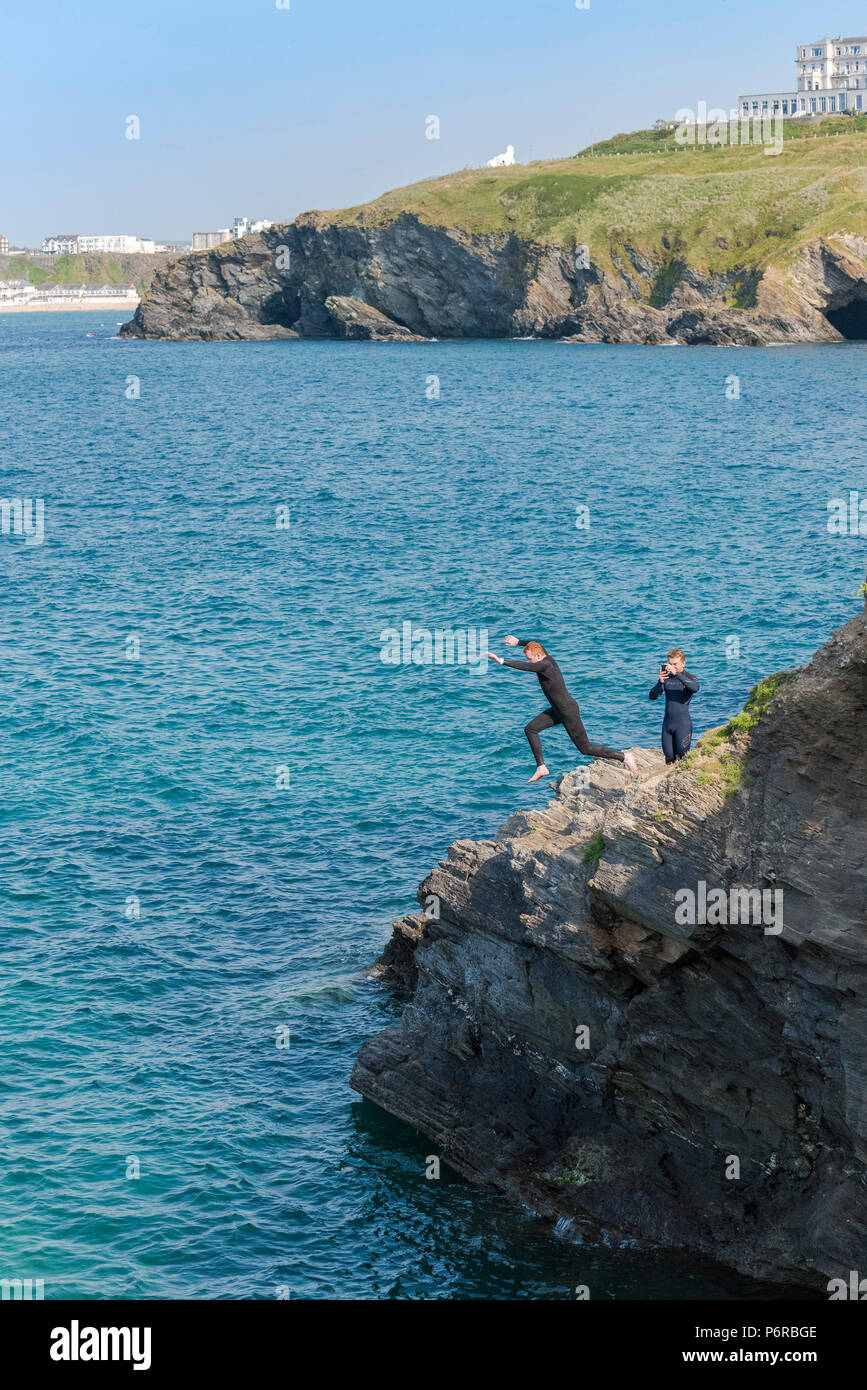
{"x": 831, "y": 76}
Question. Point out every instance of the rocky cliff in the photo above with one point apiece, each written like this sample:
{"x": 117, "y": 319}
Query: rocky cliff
{"x": 405, "y": 279}
{"x": 581, "y": 1040}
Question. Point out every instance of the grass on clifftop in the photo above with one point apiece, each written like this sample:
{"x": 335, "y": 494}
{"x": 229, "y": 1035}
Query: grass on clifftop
{"x": 729, "y": 209}
{"x": 656, "y": 141}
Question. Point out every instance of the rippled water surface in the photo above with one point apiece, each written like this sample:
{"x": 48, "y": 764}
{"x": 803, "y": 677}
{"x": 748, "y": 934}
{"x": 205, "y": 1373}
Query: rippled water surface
{"x": 168, "y": 908}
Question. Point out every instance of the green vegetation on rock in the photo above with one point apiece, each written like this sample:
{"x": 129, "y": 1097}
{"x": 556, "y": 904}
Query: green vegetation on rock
{"x": 725, "y": 768}
{"x": 587, "y": 1163}
{"x": 593, "y": 851}
{"x": 757, "y": 702}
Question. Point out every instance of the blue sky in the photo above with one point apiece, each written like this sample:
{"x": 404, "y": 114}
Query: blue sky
{"x": 247, "y": 109}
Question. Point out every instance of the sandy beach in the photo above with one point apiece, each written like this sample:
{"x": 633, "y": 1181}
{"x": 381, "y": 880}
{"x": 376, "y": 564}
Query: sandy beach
{"x": 101, "y": 306}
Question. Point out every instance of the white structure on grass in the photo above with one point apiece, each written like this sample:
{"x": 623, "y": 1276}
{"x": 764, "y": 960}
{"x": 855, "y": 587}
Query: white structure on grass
{"x": 499, "y": 160}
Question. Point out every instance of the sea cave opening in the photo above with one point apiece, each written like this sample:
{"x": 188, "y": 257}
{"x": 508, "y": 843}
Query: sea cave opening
{"x": 850, "y": 319}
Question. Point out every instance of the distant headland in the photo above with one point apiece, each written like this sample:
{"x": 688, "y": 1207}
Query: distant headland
{"x": 639, "y": 240}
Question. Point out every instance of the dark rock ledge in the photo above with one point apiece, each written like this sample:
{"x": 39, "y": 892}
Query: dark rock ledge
{"x": 405, "y": 280}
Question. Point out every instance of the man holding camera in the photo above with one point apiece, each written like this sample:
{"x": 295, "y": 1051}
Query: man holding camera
{"x": 679, "y": 687}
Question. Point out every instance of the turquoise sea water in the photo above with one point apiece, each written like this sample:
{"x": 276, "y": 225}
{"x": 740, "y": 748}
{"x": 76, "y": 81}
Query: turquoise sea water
{"x": 168, "y": 909}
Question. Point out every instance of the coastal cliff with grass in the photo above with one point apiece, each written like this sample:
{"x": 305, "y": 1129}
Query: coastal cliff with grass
{"x": 586, "y": 1034}
{"x": 637, "y": 240}
{"x": 84, "y": 269}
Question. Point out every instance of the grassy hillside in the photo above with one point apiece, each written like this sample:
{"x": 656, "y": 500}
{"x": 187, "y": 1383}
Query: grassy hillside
{"x": 723, "y": 208}
{"x": 83, "y": 270}
{"x": 662, "y": 140}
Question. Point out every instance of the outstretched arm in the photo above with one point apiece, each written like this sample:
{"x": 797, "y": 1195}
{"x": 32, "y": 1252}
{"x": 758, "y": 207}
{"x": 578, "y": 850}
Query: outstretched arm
{"x": 516, "y": 665}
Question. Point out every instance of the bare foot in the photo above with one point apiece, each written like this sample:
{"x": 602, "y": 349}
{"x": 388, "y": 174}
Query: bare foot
{"x": 631, "y": 764}
{"x": 540, "y": 772}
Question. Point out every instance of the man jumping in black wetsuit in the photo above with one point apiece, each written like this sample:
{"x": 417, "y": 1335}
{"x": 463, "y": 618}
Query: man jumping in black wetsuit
{"x": 562, "y": 708}
{"x": 678, "y": 686}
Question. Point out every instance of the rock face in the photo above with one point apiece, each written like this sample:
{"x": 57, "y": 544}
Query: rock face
{"x": 574, "y": 1043}
{"x": 409, "y": 279}
{"x": 357, "y": 322}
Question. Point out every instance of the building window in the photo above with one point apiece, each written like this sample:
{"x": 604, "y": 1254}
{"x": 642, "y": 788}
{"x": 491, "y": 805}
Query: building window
{"x": 858, "y": 102}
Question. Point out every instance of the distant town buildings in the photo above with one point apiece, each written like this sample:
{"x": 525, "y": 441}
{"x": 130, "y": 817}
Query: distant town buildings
{"x": 4, "y": 245}
{"x": 241, "y": 226}
{"x": 73, "y": 244}
{"x": 23, "y": 292}
{"x": 206, "y": 241}
{"x": 59, "y": 294}
{"x": 66, "y": 244}
{"x": 16, "y": 291}
{"x": 831, "y": 75}
{"x": 117, "y": 245}
{"x": 76, "y": 244}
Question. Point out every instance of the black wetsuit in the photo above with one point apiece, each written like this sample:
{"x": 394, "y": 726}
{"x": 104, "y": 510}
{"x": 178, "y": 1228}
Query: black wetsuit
{"x": 676, "y": 723}
{"x": 562, "y": 709}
